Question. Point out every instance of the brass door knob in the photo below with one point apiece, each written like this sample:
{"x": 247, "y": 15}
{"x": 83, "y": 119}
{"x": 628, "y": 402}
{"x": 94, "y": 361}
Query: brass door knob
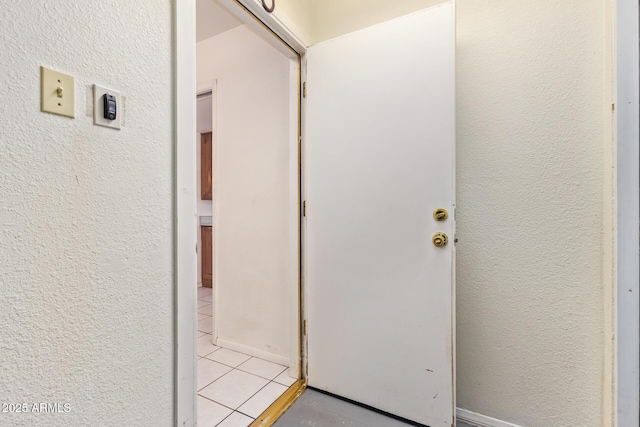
{"x": 440, "y": 240}
{"x": 440, "y": 214}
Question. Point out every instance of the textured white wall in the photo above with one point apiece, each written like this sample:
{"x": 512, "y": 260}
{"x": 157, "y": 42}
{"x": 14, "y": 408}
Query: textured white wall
{"x": 254, "y": 272}
{"x": 531, "y": 147}
{"x": 86, "y": 214}
{"x": 86, "y": 229}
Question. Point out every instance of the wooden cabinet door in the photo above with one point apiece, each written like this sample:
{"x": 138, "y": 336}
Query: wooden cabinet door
{"x": 207, "y": 256}
{"x": 206, "y": 160}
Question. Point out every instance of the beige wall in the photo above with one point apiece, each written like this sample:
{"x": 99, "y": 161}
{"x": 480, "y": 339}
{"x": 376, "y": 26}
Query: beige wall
{"x": 296, "y": 15}
{"x": 86, "y": 225}
{"x": 531, "y": 146}
{"x": 333, "y": 18}
{"x": 531, "y": 95}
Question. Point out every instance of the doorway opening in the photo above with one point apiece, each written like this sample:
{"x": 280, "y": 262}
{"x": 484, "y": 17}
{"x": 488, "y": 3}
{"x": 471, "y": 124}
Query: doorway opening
{"x": 378, "y": 160}
{"x": 247, "y": 163}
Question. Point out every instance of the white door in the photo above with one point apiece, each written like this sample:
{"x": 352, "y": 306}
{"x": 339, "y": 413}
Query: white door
{"x": 379, "y": 160}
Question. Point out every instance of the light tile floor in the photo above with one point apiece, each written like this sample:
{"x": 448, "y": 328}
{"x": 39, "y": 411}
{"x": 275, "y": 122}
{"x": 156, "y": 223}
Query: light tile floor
{"x": 233, "y": 388}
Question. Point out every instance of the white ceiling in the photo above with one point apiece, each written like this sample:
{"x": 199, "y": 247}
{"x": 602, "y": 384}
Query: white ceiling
{"x": 212, "y": 19}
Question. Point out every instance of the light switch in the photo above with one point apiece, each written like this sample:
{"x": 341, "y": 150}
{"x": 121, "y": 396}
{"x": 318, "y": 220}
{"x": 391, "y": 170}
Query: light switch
{"x": 113, "y": 107}
{"x": 57, "y": 93}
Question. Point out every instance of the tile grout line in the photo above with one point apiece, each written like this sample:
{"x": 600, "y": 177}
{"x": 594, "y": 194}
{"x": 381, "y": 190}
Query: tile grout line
{"x": 250, "y": 397}
{"x": 218, "y": 403}
{"x": 236, "y": 369}
{"x": 260, "y": 376}
{"x": 205, "y": 356}
{"x": 247, "y": 372}
{"x": 259, "y": 392}
{"x": 225, "y": 374}
{"x": 234, "y": 410}
{"x": 232, "y": 414}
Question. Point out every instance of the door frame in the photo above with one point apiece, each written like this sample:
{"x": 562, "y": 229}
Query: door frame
{"x": 185, "y": 188}
{"x": 625, "y": 334}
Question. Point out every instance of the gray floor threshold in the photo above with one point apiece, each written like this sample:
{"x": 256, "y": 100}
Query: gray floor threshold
{"x": 316, "y": 409}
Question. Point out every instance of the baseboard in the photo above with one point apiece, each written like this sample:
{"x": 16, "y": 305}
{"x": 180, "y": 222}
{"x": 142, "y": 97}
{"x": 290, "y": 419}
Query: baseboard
{"x": 264, "y": 355}
{"x": 479, "y": 420}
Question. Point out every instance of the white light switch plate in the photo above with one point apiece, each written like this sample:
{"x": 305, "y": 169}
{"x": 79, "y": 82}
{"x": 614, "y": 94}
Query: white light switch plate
{"x": 98, "y": 108}
{"x": 57, "y": 92}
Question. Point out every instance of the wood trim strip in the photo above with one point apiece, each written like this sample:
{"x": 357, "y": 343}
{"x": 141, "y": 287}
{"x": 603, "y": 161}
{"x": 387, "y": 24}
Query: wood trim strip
{"x": 206, "y": 166}
{"x": 280, "y": 406}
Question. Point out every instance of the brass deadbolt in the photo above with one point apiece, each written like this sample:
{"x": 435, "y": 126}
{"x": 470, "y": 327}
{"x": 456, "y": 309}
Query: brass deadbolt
{"x": 440, "y": 214}
{"x": 440, "y": 240}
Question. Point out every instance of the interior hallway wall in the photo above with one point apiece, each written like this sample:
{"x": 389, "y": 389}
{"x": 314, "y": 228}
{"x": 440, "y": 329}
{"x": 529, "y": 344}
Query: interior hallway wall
{"x": 531, "y": 146}
{"x": 86, "y": 216}
{"x": 253, "y": 269}
{"x": 531, "y": 134}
